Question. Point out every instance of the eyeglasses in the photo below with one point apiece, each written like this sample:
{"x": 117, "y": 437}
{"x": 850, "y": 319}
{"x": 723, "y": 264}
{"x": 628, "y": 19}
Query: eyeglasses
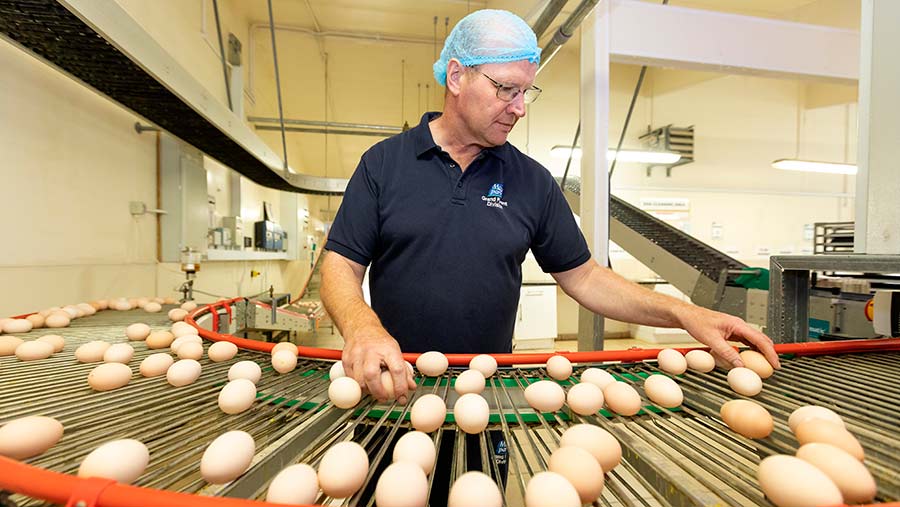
{"x": 510, "y": 93}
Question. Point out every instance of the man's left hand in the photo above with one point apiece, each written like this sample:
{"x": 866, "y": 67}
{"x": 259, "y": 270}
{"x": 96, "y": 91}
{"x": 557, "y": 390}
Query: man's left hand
{"x": 715, "y": 329}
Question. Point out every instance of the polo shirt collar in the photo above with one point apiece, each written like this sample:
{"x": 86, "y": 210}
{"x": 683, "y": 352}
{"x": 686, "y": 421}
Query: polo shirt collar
{"x": 424, "y": 142}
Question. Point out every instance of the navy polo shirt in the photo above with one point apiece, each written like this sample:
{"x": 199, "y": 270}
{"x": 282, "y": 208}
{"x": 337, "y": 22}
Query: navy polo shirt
{"x": 446, "y": 247}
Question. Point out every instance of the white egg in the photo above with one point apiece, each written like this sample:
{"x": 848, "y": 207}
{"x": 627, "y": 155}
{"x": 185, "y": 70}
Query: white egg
{"x": 118, "y": 353}
{"x": 227, "y": 457}
{"x": 245, "y": 369}
{"x": 109, "y": 376}
{"x": 600, "y": 443}
{"x": 622, "y": 398}
{"x": 221, "y": 351}
{"x": 57, "y": 320}
{"x": 545, "y": 396}
{"x": 17, "y": 326}
{"x": 549, "y": 489}
{"x": 189, "y": 306}
{"x": 474, "y": 489}
{"x": 663, "y": 391}
{"x": 671, "y": 361}
{"x": 237, "y": 396}
{"x": 285, "y": 346}
{"x": 336, "y": 371}
{"x": 580, "y": 468}
{"x": 428, "y": 413}
{"x": 180, "y": 329}
{"x": 416, "y": 447}
{"x": 152, "y": 307}
{"x": 559, "y": 367}
{"x": 183, "y": 372}
{"x": 177, "y": 314}
{"x": 744, "y": 381}
{"x": 585, "y": 398}
{"x": 401, "y": 484}
{"x": 432, "y": 364}
{"x": 472, "y": 413}
{"x": 344, "y": 392}
{"x": 469, "y": 381}
{"x": 91, "y": 352}
{"x": 34, "y": 351}
{"x": 284, "y": 361}
{"x": 700, "y": 360}
{"x": 295, "y": 485}
{"x": 485, "y": 363}
{"x": 185, "y": 338}
{"x": 597, "y": 376}
{"x": 156, "y": 364}
{"x": 120, "y": 460}
{"x": 30, "y": 436}
{"x": 56, "y": 340}
{"x": 190, "y": 350}
{"x": 343, "y": 469}
{"x": 137, "y": 331}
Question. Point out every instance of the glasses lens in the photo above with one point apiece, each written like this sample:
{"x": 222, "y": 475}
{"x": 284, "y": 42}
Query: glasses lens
{"x": 532, "y": 94}
{"x": 507, "y": 93}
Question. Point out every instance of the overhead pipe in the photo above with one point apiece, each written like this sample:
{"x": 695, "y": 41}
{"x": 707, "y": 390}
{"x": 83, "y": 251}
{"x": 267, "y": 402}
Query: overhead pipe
{"x": 566, "y": 30}
{"x": 313, "y": 130}
{"x": 547, "y": 16}
{"x": 317, "y": 123}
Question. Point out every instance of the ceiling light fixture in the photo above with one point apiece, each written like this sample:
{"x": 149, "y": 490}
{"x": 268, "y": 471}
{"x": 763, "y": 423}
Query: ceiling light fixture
{"x": 637, "y": 156}
{"x": 792, "y": 164}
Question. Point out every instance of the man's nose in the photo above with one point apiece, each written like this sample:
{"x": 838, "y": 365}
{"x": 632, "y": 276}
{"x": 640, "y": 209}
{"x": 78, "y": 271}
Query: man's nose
{"x": 517, "y": 105}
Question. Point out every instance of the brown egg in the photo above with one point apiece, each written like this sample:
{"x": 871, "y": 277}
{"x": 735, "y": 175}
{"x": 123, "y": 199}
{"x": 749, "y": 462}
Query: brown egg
{"x": 30, "y": 436}
{"x": 747, "y": 418}
{"x": 700, "y": 360}
{"x": 791, "y": 482}
{"x": 808, "y": 412}
{"x": 160, "y": 339}
{"x": 580, "y": 468}
{"x": 559, "y": 367}
{"x": 757, "y": 362}
{"x": 8, "y": 345}
{"x": 602, "y": 445}
{"x": 428, "y": 413}
{"x": 36, "y": 319}
{"x": 177, "y": 314}
{"x": 671, "y": 361}
{"x": 285, "y": 346}
{"x": 56, "y": 340}
{"x": 34, "y": 350}
{"x": 545, "y": 396}
{"x": 109, "y": 376}
{"x": 827, "y": 432}
{"x": 57, "y": 320}
{"x": 622, "y": 398}
{"x": 91, "y": 352}
{"x": 847, "y": 473}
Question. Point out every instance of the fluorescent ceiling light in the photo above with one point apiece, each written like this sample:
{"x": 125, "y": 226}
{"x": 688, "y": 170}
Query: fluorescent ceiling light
{"x": 790, "y": 164}
{"x": 642, "y": 157}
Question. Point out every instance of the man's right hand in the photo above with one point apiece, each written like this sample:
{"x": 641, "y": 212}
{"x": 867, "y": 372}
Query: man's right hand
{"x": 366, "y": 351}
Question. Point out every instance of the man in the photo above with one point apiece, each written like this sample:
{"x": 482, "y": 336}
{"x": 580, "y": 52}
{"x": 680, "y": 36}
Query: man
{"x": 445, "y": 214}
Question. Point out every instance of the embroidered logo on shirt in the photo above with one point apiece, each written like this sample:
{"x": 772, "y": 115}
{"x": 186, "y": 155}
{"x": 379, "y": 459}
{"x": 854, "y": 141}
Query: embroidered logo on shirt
{"x": 494, "y": 196}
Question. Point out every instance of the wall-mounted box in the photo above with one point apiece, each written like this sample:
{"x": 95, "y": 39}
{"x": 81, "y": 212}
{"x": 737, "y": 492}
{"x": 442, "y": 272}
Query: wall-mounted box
{"x": 183, "y": 194}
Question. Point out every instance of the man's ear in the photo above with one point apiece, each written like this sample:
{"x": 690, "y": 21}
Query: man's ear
{"x": 455, "y": 72}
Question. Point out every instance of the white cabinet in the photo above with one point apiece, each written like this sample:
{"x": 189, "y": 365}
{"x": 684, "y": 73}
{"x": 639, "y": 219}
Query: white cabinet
{"x": 535, "y": 318}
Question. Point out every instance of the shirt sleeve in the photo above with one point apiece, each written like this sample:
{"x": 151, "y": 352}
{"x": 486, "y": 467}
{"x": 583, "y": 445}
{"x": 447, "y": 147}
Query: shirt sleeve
{"x": 355, "y": 231}
{"x": 558, "y": 244}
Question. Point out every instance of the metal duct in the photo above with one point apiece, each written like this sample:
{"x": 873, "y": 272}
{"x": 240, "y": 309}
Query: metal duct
{"x": 566, "y": 30}
{"x": 547, "y": 16}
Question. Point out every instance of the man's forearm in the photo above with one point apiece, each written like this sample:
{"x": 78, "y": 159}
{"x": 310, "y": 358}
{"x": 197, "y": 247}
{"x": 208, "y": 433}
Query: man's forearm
{"x": 343, "y": 298}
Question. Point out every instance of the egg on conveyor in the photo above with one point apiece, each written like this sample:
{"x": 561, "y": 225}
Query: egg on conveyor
{"x": 285, "y": 346}
{"x": 8, "y": 345}
{"x": 401, "y": 484}
{"x": 227, "y": 457}
{"x": 744, "y": 381}
{"x": 484, "y": 363}
{"x": 545, "y": 396}
{"x": 295, "y": 485}
{"x": 137, "y": 331}
{"x": 34, "y": 351}
{"x": 343, "y": 469}
{"x": 416, "y": 447}
{"x": 190, "y": 350}
{"x": 432, "y": 364}
{"x": 180, "y": 329}
{"x": 848, "y": 474}
{"x": 471, "y": 413}
{"x": 549, "y": 489}
{"x": 109, "y": 376}
{"x": 428, "y": 413}
{"x": 559, "y": 367}
{"x": 581, "y": 470}
{"x": 183, "y": 372}
{"x": 284, "y": 361}
{"x": 120, "y": 460}
{"x": 160, "y": 340}
{"x": 237, "y": 396}
{"x": 177, "y": 314}
{"x": 344, "y": 392}
{"x": 747, "y": 418}
{"x": 622, "y": 398}
{"x": 245, "y": 369}
{"x": 828, "y": 432}
{"x": 183, "y": 339}
{"x": 700, "y": 360}
{"x": 469, "y": 381}
{"x": 474, "y": 489}
{"x": 141, "y": 302}
{"x": 597, "y": 376}
{"x": 663, "y": 391}
{"x": 671, "y": 361}
{"x": 56, "y": 340}
{"x": 757, "y": 362}
{"x": 337, "y": 371}
{"x": 91, "y": 352}
{"x": 17, "y": 326}
{"x": 57, "y": 320}
{"x": 36, "y": 319}
{"x": 585, "y": 398}
{"x": 221, "y": 351}
{"x": 155, "y": 365}
{"x": 387, "y": 383}
{"x": 807, "y": 412}
{"x": 30, "y": 436}
{"x": 118, "y": 353}
{"x": 189, "y": 306}
{"x": 152, "y": 307}
{"x": 600, "y": 443}
{"x": 791, "y": 482}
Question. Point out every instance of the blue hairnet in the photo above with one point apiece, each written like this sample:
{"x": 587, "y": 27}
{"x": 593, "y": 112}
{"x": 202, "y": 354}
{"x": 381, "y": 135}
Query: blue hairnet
{"x": 488, "y": 36}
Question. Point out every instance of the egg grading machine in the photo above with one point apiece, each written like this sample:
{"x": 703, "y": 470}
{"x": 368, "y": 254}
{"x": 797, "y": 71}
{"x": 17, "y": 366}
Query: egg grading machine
{"x": 670, "y": 457}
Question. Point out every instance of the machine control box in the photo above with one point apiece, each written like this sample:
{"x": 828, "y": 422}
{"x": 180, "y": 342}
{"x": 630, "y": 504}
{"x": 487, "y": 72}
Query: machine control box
{"x": 269, "y": 236}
